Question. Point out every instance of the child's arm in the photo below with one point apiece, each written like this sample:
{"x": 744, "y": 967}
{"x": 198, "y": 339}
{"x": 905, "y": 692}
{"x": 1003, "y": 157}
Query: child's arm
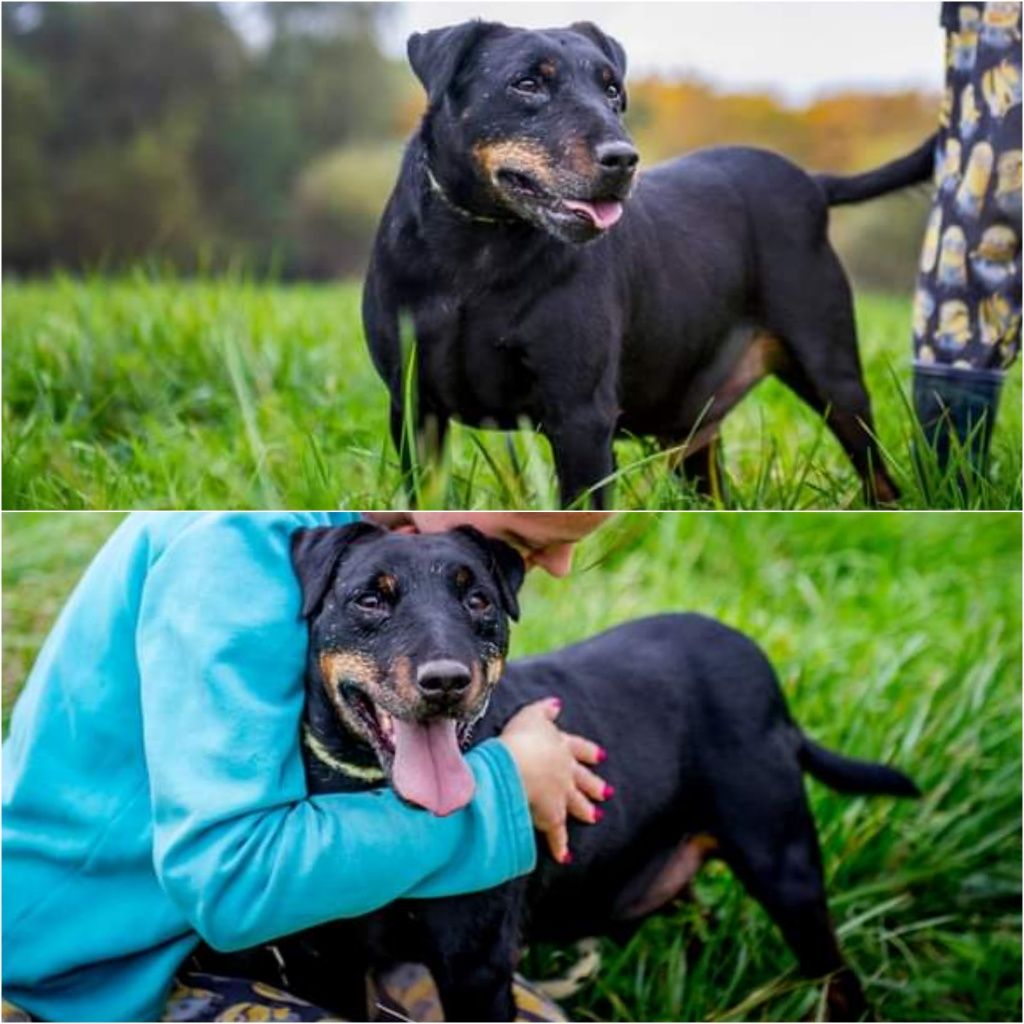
{"x": 238, "y": 845}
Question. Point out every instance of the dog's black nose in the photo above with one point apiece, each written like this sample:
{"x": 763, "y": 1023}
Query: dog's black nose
{"x": 443, "y": 678}
{"x": 617, "y": 156}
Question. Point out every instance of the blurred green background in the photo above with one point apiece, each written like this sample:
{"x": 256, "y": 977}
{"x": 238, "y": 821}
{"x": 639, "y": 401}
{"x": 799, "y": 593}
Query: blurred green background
{"x": 203, "y": 136}
{"x": 896, "y": 637}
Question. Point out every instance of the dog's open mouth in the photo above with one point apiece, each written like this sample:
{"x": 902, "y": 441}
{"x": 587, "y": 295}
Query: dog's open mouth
{"x": 422, "y": 757}
{"x": 597, "y": 214}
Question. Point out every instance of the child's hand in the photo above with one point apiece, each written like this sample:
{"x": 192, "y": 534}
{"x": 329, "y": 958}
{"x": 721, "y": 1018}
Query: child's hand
{"x": 551, "y": 765}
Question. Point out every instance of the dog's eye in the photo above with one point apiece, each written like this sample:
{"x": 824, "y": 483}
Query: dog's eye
{"x": 613, "y": 92}
{"x": 477, "y": 601}
{"x": 370, "y": 602}
{"x": 531, "y": 86}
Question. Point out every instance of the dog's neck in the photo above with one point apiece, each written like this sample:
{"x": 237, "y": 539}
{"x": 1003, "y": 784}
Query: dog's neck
{"x": 461, "y": 239}
{"x": 439, "y": 190}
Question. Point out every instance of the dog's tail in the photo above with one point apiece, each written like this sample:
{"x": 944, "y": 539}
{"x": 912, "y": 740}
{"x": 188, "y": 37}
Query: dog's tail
{"x": 848, "y": 775}
{"x": 911, "y": 169}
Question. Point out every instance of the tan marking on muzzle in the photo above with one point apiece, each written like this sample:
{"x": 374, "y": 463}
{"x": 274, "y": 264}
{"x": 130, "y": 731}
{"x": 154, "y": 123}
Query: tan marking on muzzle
{"x": 404, "y": 681}
{"x": 476, "y": 684}
{"x": 494, "y": 669}
{"x": 338, "y": 666}
{"x": 520, "y": 155}
{"x": 579, "y": 156}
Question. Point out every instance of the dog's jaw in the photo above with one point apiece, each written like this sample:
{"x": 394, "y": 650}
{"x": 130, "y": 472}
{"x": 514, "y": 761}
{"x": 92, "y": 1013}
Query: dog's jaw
{"x": 548, "y": 193}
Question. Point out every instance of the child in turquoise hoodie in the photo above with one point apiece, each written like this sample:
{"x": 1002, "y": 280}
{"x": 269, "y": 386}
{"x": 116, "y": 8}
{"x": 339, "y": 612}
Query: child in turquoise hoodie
{"x": 153, "y": 785}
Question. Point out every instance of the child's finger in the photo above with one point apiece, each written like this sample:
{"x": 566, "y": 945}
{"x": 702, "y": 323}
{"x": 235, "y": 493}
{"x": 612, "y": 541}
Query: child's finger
{"x": 592, "y": 785}
{"x": 584, "y": 750}
{"x": 549, "y": 707}
{"x": 582, "y": 809}
{"x": 558, "y": 842}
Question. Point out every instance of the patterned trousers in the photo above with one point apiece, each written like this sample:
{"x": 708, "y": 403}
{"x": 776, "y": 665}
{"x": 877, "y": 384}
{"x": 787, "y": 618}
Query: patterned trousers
{"x": 967, "y": 311}
{"x": 406, "y": 992}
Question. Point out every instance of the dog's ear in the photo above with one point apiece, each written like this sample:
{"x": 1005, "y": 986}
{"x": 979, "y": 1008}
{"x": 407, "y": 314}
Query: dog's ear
{"x": 505, "y": 564}
{"x": 437, "y": 55}
{"x": 316, "y": 553}
{"x": 610, "y": 47}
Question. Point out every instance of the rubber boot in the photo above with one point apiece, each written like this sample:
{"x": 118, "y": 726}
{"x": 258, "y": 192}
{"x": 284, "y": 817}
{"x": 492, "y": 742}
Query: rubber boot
{"x": 961, "y": 403}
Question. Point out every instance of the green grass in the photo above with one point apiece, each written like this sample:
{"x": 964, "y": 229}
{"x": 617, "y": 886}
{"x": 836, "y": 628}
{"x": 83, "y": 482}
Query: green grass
{"x": 149, "y": 391}
{"x": 896, "y": 637}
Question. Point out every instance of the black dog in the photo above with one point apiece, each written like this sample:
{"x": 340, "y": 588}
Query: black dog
{"x": 719, "y": 274}
{"x": 407, "y": 640}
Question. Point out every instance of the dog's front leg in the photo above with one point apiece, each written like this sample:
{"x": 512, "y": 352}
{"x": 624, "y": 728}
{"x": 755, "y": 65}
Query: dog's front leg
{"x": 472, "y": 946}
{"x": 581, "y": 443}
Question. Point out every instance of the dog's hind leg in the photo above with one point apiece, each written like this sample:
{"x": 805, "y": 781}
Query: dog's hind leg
{"x": 811, "y": 309}
{"x": 846, "y": 409}
{"x": 773, "y": 849}
{"x": 704, "y": 468}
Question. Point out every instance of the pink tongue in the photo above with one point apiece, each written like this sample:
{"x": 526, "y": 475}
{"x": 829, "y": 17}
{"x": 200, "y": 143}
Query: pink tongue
{"x": 604, "y": 212}
{"x": 429, "y": 769}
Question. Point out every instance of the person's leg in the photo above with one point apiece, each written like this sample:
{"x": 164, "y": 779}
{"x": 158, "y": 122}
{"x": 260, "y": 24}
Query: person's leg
{"x": 408, "y": 992}
{"x": 405, "y": 992}
{"x": 967, "y": 303}
{"x": 209, "y": 997}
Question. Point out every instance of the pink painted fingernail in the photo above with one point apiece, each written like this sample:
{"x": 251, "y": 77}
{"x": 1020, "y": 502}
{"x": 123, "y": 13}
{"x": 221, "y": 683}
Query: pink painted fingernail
{"x": 557, "y": 701}
{"x": 598, "y": 815}
{"x": 609, "y": 791}
{"x": 566, "y": 858}
{"x": 602, "y": 755}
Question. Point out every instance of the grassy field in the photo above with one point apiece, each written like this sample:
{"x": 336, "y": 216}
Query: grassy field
{"x": 896, "y": 637}
{"x": 147, "y": 392}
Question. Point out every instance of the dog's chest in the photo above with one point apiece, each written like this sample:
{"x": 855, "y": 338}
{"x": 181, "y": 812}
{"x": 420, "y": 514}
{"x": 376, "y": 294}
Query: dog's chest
{"x": 474, "y": 363}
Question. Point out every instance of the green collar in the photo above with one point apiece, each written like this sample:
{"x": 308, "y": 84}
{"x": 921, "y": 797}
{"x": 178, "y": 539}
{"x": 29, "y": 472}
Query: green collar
{"x": 353, "y": 771}
{"x": 438, "y": 189}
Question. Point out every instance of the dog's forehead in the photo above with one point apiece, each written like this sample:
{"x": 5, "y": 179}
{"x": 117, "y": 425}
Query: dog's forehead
{"x": 562, "y": 47}
{"x": 411, "y": 554}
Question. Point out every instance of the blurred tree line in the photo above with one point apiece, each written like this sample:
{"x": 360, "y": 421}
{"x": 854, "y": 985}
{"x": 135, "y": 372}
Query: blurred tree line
{"x": 268, "y": 135}
{"x": 181, "y": 130}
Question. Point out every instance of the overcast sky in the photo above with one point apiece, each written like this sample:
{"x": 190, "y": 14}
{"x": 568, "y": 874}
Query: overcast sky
{"x": 797, "y": 50}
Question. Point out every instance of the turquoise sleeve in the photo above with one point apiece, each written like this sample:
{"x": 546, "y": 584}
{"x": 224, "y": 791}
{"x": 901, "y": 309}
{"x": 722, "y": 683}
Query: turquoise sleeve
{"x": 239, "y": 846}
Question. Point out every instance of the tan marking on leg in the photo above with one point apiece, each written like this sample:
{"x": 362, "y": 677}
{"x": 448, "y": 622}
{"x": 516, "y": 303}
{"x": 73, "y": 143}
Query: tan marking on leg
{"x": 764, "y": 355}
{"x": 884, "y": 492}
{"x": 678, "y": 871}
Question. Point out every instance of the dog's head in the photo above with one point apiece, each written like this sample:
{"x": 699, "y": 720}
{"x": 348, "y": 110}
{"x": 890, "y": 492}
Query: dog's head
{"x": 528, "y": 124}
{"x": 408, "y": 635}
